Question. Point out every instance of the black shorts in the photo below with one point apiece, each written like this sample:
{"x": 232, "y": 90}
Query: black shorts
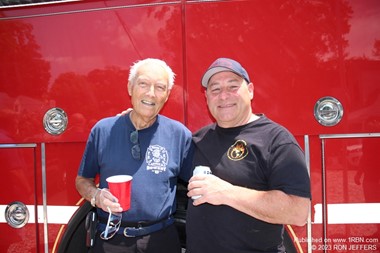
{"x": 163, "y": 241}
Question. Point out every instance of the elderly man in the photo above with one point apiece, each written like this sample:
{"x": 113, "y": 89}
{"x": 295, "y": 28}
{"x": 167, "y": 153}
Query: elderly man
{"x": 152, "y": 148}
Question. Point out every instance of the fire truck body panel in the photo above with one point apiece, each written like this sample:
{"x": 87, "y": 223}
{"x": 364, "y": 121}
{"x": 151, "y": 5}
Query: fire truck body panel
{"x": 73, "y": 58}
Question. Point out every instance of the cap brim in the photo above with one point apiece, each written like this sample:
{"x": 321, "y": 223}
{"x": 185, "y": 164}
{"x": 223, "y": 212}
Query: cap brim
{"x": 212, "y": 71}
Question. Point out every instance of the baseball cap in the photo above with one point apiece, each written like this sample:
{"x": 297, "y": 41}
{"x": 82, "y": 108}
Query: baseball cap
{"x": 224, "y": 64}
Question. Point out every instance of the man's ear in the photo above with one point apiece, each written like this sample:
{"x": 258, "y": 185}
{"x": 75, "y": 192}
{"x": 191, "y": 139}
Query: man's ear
{"x": 167, "y": 97}
{"x": 129, "y": 86}
{"x": 205, "y": 92}
{"x": 251, "y": 89}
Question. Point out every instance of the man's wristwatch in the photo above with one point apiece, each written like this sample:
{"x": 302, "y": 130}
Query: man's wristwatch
{"x": 93, "y": 199}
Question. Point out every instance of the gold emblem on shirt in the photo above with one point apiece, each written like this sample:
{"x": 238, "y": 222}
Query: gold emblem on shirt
{"x": 237, "y": 151}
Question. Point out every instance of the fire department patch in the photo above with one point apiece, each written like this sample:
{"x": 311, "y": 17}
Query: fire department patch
{"x": 157, "y": 158}
{"x": 237, "y": 151}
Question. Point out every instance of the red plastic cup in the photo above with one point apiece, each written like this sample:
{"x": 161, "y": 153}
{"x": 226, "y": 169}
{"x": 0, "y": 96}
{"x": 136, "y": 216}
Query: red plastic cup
{"x": 120, "y": 187}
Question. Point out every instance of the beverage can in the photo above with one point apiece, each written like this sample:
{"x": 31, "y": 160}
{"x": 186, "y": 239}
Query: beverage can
{"x": 201, "y": 170}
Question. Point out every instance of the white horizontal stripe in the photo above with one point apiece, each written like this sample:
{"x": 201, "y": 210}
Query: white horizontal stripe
{"x": 357, "y": 213}
{"x": 55, "y": 214}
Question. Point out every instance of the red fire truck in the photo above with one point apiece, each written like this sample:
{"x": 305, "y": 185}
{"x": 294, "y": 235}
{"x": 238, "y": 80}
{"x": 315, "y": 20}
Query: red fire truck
{"x": 315, "y": 65}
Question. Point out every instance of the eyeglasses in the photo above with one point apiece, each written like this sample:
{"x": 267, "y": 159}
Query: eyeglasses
{"x": 113, "y": 225}
{"x": 136, "y": 151}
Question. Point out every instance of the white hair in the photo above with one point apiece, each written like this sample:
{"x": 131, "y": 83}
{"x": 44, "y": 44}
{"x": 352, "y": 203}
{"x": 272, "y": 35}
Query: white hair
{"x": 138, "y": 64}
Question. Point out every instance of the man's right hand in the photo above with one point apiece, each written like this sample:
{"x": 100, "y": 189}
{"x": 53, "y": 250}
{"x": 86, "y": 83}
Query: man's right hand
{"x": 106, "y": 199}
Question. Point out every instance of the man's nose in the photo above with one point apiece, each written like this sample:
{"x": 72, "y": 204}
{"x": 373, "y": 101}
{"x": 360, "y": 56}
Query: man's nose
{"x": 224, "y": 93}
{"x": 151, "y": 91}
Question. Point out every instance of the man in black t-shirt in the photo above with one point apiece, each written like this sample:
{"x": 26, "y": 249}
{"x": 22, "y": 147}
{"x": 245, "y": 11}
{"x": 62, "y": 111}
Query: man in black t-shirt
{"x": 259, "y": 176}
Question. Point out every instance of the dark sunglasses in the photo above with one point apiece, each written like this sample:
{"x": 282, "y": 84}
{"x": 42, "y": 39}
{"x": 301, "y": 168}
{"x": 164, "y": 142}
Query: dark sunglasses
{"x": 136, "y": 151}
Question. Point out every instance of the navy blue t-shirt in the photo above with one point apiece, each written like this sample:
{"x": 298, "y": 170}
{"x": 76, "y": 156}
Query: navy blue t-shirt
{"x": 166, "y": 153}
{"x": 261, "y": 155}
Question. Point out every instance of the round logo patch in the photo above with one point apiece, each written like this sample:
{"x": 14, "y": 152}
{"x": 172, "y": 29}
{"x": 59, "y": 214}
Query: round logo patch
{"x": 157, "y": 158}
{"x": 237, "y": 151}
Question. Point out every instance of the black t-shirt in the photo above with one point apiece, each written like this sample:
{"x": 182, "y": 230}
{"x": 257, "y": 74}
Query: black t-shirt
{"x": 261, "y": 155}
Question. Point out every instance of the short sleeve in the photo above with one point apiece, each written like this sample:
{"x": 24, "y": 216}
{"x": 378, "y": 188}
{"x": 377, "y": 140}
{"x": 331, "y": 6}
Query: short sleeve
{"x": 289, "y": 171}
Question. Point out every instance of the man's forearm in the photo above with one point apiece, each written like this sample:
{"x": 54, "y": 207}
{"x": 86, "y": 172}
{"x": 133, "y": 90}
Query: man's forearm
{"x": 86, "y": 187}
{"x": 274, "y": 206}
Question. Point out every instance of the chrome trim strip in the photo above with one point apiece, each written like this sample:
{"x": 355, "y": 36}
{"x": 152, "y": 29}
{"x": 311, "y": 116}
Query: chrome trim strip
{"x": 44, "y": 199}
{"x": 204, "y": 1}
{"x": 89, "y": 10}
{"x": 36, "y": 4}
{"x": 354, "y": 135}
{"x": 24, "y": 145}
{"x": 307, "y": 158}
{"x": 324, "y": 201}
